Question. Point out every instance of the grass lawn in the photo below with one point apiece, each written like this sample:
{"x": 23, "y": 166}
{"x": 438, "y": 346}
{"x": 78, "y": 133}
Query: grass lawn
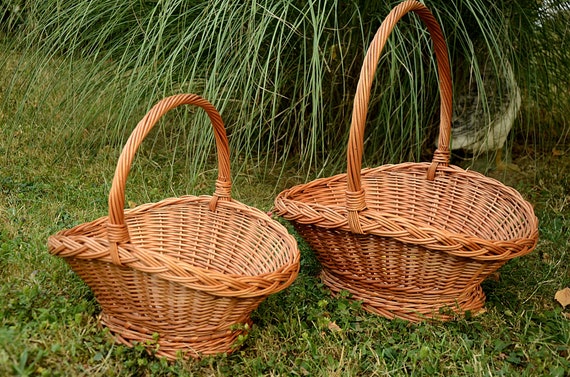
{"x": 48, "y": 317}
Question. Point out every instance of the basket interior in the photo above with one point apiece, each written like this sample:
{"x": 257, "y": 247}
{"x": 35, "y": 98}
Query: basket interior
{"x": 457, "y": 201}
{"x": 233, "y": 239}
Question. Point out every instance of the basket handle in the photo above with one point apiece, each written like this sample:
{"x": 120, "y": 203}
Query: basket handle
{"x": 116, "y": 227}
{"x": 355, "y": 199}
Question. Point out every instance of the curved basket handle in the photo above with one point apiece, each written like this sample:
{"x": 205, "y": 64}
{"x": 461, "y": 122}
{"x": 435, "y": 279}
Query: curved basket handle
{"x": 116, "y": 227}
{"x": 355, "y": 199}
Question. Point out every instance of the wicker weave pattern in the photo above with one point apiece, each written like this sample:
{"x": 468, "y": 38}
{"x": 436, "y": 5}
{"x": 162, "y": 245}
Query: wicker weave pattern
{"x": 410, "y": 239}
{"x": 189, "y": 268}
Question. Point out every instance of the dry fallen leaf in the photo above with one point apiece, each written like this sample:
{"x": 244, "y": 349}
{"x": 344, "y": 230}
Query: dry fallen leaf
{"x": 479, "y": 312}
{"x": 563, "y": 297}
{"x": 334, "y": 327}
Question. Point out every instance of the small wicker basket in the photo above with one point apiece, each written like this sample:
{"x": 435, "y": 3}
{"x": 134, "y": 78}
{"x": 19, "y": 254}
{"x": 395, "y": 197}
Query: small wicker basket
{"x": 411, "y": 240}
{"x": 185, "y": 273}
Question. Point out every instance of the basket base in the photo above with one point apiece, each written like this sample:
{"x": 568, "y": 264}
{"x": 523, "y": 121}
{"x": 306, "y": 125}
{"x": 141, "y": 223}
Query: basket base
{"x": 415, "y": 307}
{"x": 194, "y": 344}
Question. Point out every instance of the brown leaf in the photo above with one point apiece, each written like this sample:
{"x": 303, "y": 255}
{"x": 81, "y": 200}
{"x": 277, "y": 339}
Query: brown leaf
{"x": 557, "y": 153}
{"x": 334, "y": 327}
{"x": 563, "y": 297}
{"x": 479, "y": 312}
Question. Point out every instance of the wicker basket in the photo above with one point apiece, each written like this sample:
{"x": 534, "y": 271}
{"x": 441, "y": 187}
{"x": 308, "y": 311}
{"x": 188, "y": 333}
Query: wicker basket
{"x": 411, "y": 240}
{"x": 189, "y": 269}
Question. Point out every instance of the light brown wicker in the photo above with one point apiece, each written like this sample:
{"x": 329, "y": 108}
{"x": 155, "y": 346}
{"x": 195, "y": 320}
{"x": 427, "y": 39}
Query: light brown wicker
{"x": 189, "y": 270}
{"x": 411, "y": 240}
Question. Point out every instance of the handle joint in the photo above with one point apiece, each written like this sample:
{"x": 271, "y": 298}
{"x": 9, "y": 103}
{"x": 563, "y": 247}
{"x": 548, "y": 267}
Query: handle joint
{"x": 116, "y": 234}
{"x": 440, "y": 157}
{"x": 355, "y": 202}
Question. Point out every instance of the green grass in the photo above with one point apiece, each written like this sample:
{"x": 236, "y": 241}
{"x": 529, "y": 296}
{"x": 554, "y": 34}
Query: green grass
{"x": 48, "y": 317}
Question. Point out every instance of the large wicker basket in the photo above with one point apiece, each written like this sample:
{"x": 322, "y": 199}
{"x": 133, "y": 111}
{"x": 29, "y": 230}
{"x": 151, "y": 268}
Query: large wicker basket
{"x": 183, "y": 274}
{"x": 411, "y": 240}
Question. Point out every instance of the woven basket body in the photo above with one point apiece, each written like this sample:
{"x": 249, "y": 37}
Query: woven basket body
{"x": 184, "y": 273}
{"x": 412, "y": 240}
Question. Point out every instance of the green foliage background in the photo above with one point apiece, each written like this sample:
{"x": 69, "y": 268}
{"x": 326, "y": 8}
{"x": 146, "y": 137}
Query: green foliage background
{"x": 282, "y": 73}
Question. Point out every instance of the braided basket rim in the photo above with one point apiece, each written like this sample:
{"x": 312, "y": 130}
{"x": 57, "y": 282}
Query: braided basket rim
{"x": 265, "y": 283}
{"x": 335, "y": 217}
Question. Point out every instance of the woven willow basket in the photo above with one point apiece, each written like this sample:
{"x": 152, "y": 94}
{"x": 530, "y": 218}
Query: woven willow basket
{"x": 411, "y": 240}
{"x": 190, "y": 269}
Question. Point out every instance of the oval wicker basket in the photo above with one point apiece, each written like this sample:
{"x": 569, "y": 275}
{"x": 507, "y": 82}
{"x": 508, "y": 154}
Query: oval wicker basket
{"x": 189, "y": 269}
{"x": 411, "y": 240}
